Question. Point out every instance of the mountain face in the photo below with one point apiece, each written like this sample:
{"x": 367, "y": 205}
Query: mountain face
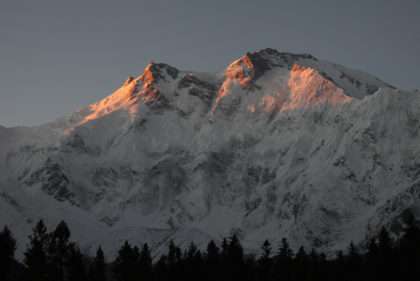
{"x": 280, "y": 145}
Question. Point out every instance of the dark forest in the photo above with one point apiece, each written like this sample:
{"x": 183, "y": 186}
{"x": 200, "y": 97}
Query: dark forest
{"x": 53, "y": 256}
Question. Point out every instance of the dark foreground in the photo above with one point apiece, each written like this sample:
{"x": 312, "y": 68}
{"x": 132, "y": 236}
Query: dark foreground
{"x": 52, "y": 256}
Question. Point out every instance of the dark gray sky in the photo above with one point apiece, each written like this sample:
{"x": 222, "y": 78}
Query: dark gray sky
{"x": 57, "y": 56}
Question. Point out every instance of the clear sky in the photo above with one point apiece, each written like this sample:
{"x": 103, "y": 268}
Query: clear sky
{"x": 57, "y": 56}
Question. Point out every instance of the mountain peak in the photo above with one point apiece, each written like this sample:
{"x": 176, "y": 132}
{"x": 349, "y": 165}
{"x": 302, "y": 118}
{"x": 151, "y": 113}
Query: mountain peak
{"x": 275, "y": 57}
{"x": 286, "y": 79}
{"x": 154, "y": 72}
{"x": 253, "y": 65}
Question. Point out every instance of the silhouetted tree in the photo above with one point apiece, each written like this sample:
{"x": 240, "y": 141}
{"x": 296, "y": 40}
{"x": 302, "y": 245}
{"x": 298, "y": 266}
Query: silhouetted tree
{"x": 53, "y": 257}
{"x": 213, "y": 253}
{"x": 125, "y": 267}
{"x": 284, "y": 260}
{"x": 36, "y": 253}
{"x": 266, "y": 252}
{"x": 58, "y": 249}
{"x": 145, "y": 263}
{"x": 76, "y": 265}
{"x": 7, "y": 253}
{"x": 300, "y": 267}
{"x": 173, "y": 261}
{"x": 212, "y": 261}
{"x": 234, "y": 260}
{"x": 265, "y": 262}
{"x": 97, "y": 271}
{"x": 315, "y": 266}
{"x": 192, "y": 262}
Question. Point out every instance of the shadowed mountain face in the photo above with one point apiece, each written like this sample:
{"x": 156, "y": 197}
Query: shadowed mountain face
{"x": 279, "y": 145}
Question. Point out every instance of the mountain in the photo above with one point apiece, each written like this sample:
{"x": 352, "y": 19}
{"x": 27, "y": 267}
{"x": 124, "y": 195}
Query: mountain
{"x": 279, "y": 145}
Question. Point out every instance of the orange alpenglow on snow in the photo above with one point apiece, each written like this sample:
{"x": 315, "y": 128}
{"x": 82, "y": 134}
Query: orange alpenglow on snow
{"x": 308, "y": 88}
{"x": 126, "y": 96}
{"x": 304, "y": 87}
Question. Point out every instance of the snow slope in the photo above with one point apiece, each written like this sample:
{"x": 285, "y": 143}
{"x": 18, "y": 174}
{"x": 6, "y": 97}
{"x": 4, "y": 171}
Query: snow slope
{"x": 280, "y": 145}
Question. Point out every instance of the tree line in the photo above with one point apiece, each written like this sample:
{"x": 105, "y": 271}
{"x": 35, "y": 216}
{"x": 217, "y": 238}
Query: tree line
{"x": 52, "y": 256}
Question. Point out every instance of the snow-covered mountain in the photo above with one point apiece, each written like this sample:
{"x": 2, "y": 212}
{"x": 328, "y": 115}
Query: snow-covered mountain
{"x": 279, "y": 145}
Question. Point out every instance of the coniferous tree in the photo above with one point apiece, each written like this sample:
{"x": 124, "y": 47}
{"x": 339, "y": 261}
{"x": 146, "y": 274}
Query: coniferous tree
{"x": 224, "y": 260}
{"x": 125, "y": 267}
{"x": 36, "y": 254}
{"x": 212, "y": 261}
{"x": 235, "y": 259}
{"x": 192, "y": 262}
{"x": 285, "y": 252}
{"x": 266, "y": 251}
{"x": 300, "y": 267}
{"x": 264, "y": 262}
{"x": 7, "y": 253}
{"x": 284, "y": 260}
{"x": 173, "y": 261}
{"x": 174, "y": 254}
{"x": 76, "y": 270}
{"x": 51, "y": 256}
{"x": 213, "y": 253}
{"x": 58, "y": 250}
{"x": 235, "y": 250}
{"x": 225, "y": 248}
{"x": 315, "y": 269}
{"x": 97, "y": 270}
{"x": 145, "y": 263}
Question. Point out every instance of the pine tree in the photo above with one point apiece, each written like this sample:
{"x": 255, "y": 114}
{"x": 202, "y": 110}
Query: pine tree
{"x": 264, "y": 262}
{"x": 58, "y": 250}
{"x": 173, "y": 261}
{"x": 235, "y": 250}
{"x": 266, "y": 251}
{"x": 36, "y": 254}
{"x": 125, "y": 267}
{"x": 284, "y": 260}
{"x": 191, "y": 252}
{"x": 315, "y": 269}
{"x": 98, "y": 267}
{"x": 174, "y": 254}
{"x": 300, "y": 265}
{"x": 213, "y": 253}
{"x": 234, "y": 263}
{"x": 7, "y": 252}
{"x": 212, "y": 261}
{"x": 145, "y": 263}
{"x": 75, "y": 264}
{"x": 192, "y": 263}
{"x": 285, "y": 252}
{"x": 225, "y": 248}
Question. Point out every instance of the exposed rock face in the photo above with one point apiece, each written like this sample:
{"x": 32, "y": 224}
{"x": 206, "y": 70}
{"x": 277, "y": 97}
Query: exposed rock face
{"x": 282, "y": 145}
